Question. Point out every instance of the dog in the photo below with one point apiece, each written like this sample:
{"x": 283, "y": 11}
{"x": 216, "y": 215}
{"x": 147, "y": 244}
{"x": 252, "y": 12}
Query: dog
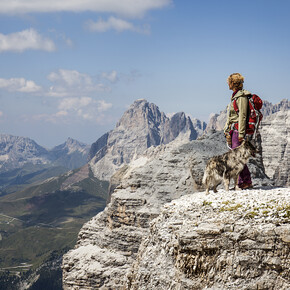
{"x": 226, "y": 166}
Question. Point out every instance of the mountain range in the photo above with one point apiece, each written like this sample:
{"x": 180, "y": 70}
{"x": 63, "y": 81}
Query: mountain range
{"x": 160, "y": 230}
{"x": 16, "y": 151}
{"x": 24, "y": 162}
{"x": 58, "y": 205}
{"x": 39, "y": 191}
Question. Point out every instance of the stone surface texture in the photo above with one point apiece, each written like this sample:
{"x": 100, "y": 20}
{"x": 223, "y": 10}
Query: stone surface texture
{"x": 218, "y": 241}
{"x": 275, "y": 132}
{"x": 108, "y": 244}
{"x": 228, "y": 240}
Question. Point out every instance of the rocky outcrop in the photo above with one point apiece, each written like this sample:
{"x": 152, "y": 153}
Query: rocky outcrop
{"x": 275, "y": 132}
{"x": 199, "y": 126}
{"x": 99, "y": 147}
{"x": 218, "y": 241}
{"x": 239, "y": 223}
{"x": 217, "y": 122}
{"x": 141, "y": 127}
{"x": 108, "y": 244}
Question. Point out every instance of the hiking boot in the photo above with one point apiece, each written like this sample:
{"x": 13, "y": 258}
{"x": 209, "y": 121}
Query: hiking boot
{"x": 246, "y": 186}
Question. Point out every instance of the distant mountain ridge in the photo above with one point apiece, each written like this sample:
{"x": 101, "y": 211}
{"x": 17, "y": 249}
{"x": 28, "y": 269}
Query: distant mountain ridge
{"x": 71, "y": 154}
{"x": 65, "y": 200}
{"x": 17, "y": 151}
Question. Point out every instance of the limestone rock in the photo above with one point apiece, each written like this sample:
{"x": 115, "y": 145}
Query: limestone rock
{"x": 269, "y": 109}
{"x": 218, "y": 241}
{"x": 275, "y": 132}
{"x": 199, "y": 126}
{"x": 217, "y": 122}
{"x": 108, "y": 244}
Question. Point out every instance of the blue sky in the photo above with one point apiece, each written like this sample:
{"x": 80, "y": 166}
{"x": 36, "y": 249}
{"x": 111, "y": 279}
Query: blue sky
{"x": 71, "y": 68}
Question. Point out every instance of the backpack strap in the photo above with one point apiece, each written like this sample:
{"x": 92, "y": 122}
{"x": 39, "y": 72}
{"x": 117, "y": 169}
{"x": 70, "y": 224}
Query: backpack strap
{"x": 235, "y": 106}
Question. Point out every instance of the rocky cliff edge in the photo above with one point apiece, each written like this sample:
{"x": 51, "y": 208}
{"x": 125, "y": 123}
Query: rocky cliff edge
{"x": 236, "y": 240}
{"x": 108, "y": 244}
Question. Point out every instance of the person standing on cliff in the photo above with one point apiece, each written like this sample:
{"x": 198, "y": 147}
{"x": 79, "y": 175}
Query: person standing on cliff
{"x": 233, "y": 136}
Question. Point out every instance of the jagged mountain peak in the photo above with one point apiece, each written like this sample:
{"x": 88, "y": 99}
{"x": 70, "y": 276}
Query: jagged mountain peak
{"x": 71, "y": 145}
{"x": 143, "y": 125}
{"x": 269, "y": 109}
{"x": 16, "y": 151}
{"x": 141, "y": 113}
{"x": 16, "y": 146}
{"x": 18, "y": 140}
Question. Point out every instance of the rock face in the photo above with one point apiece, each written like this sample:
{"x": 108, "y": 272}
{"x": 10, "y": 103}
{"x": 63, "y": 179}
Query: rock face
{"x": 199, "y": 126}
{"x": 275, "y": 134}
{"x": 217, "y": 122}
{"x": 141, "y": 127}
{"x": 218, "y": 241}
{"x": 108, "y": 244}
{"x": 269, "y": 109}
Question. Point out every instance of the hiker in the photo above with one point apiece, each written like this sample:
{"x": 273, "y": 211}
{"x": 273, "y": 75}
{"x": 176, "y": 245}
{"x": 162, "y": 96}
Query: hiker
{"x": 235, "y": 136}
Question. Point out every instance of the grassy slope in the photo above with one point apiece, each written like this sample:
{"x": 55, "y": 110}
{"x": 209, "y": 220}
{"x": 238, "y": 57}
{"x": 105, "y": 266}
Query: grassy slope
{"x": 20, "y": 178}
{"x": 43, "y": 218}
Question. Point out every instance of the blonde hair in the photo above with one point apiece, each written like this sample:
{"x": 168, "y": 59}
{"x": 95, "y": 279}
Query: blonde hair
{"x": 236, "y": 81}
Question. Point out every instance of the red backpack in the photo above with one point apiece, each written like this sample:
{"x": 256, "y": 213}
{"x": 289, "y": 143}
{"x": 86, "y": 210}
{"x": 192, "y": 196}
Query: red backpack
{"x": 254, "y": 116}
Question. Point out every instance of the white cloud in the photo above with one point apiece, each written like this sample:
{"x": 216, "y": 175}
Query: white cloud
{"x": 19, "y": 85}
{"x": 72, "y": 83}
{"x": 61, "y": 114}
{"x": 72, "y": 110}
{"x": 103, "y": 106}
{"x": 70, "y": 78}
{"x": 112, "y": 76}
{"x": 130, "y": 77}
{"x": 61, "y": 36}
{"x": 74, "y": 103}
{"x": 69, "y": 83}
{"x": 25, "y": 40}
{"x": 129, "y": 8}
{"x": 1, "y": 114}
{"x": 85, "y": 107}
{"x": 116, "y": 24}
